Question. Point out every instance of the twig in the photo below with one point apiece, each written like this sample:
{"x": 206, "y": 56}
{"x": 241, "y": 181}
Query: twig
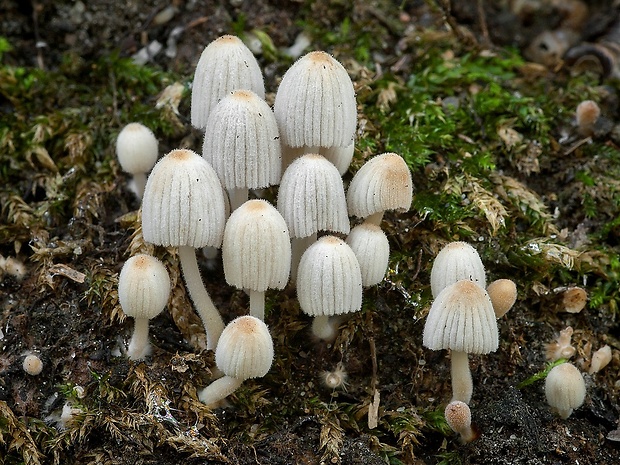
{"x": 482, "y": 19}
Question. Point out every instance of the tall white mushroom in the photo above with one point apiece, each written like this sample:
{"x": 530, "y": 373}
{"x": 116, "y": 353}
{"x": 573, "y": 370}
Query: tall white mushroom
{"x": 462, "y": 319}
{"x": 137, "y": 152}
{"x": 242, "y": 144}
{"x": 143, "y": 291}
{"x": 329, "y": 282}
{"x": 184, "y": 207}
{"x": 244, "y": 351}
{"x": 311, "y": 198}
{"x": 382, "y": 183}
{"x": 256, "y": 251}
{"x": 226, "y": 64}
{"x": 372, "y": 249}
{"x": 457, "y": 260}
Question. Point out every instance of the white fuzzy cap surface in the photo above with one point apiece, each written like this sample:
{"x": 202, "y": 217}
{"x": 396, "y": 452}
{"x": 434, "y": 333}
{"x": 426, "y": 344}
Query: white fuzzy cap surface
{"x": 225, "y": 65}
{"x": 329, "y": 280}
{"x": 136, "y": 148}
{"x": 143, "y": 286}
{"x": 245, "y": 348}
{"x": 315, "y": 103}
{"x": 256, "y": 249}
{"x": 457, "y": 260}
{"x": 311, "y": 197}
{"x": 183, "y": 203}
{"x": 242, "y": 142}
{"x": 372, "y": 249}
{"x": 461, "y": 318}
{"x": 565, "y": 389}
{"x": 382, "y": 183}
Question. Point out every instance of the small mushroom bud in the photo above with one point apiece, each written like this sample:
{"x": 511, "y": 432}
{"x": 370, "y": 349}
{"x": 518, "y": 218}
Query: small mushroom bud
{"x": 503, "y": 294}
{"x": 574, "y": 299}
{"x": 137, "y": 151}
{"x": 565, "y": 389}
{"x": 561, "y": 347}
{"x": 32, "y": 365}
{"x": 600, "y": 359}
{"x": 586, "y": 115}
{"x": 458, "y": 417}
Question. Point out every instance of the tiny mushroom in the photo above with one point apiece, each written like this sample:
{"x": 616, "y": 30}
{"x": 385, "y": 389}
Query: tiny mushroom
{"x": 143, "y": 291}
{"x": 457, "y": 260}
{"x": 462, "y": 319}
{"x": 574, "y": 299}
{"x": 600, "y": 359}
{"x": 244, "y": 351}
{"x": 32, "y": 364}
{"x": 565, "y": 389}
{"x": 382, "y": 183}
{"x": 372, "y": 249}
{"x": 586, "y": 116}
{"x": 458, "y": 417}
{"x": 256, "y": 251}
{"x": 503, "y": 294}
{"x": 329, "y": 282}
{"x": 137, "y": 152}
{"x": 560, "y": 347}
{"x": 184, "y": 206}
{"x": 225, "y": 65}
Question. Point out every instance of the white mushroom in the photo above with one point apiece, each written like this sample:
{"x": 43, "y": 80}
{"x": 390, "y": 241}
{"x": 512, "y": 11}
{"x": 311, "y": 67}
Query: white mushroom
{"x": 256, "y": 251}
{"x": 458, "y": 417}
{"x": 137, "y": 152}
{"x": 244, "y": 351}
{"x": 143, "y": 291}
{"x": 565, "y": 389}
{"x": 372, "y": 249}
{"x": 457, "y": 260}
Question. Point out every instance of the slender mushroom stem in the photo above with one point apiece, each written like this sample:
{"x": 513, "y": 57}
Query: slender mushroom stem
{"x": 298, "y": 247}
{"x": 219, "y": 389}
{"x": 211, "y": 318}
{"x": 462, "y": 384}
{"x": 375, "y": 218}
{"x": 257, "y": 304}
{"x": 323, "y": 328}
{"x": 139, "y": 181}
{"x": 139, "y": 346}
{"x": 237, "y": 197}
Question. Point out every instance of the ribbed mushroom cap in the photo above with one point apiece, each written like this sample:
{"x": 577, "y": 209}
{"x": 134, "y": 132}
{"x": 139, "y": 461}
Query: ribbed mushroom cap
{"x": 315, "y": 103}
{"x": 565, "y": 389}
{"x": 382, "y": 183}
{"x": 311, "y": 197}
{"x": 136, "y": 148}
{"x": 242, "y": 143}
{"x": 245, "y": 348}
{"x": 462, "y": 319}
{"x": 183, "y": 203}
{"x": 143, "y": 286}
{"x": 226, "y": 64}
{"x": 457, "y": 260}
{"x": 372, "y": 249}
{"x": 257, "y": 249}
{"x": 329, "y": 280}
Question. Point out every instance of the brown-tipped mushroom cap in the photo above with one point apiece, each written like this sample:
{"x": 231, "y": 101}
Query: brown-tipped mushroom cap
{"x": 311, "y": 197}
{"x": 372, "y": 249}
{"x": 462, "y": 319}
{"x": 143, "y": 287}
{"x": 225, "y": 65}
{"x": 241, "y": 142}
{"x": 245, "y": 348}
{"x": 256, "y": 250}
{"x": 183, "y": 202}
{"x": 315, "y": 103}
{"x": 503, "y": 294}
{"x": 574, "y": 299}
{"x": 329, "y": 280}
{"x": 382, "y": 183}
{"x": 565, "y": 389}
{"x": 136, "y": 148}
{"x": 457, "y": 260}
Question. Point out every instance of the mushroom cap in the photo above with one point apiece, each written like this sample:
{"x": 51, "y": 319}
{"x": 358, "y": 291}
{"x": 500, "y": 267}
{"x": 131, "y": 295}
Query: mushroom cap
{"x": 457, "y": 260}
{"x": 245, "y": 348}
{"x": 574, "y": 299}
{"x": 458, "y": 416}
{"x": 257, "y": 248}
{"x": 311, "y": 197}
{"x": 372, "y": 249}
{"x": 329, "y": 280}
{"x": 143, "y": 286}
{"x": 315, "y": 103}
{"x": 382, "y": 183}
{"x": 136, "y": 148}
{"x": 503, "y": 294}
{"x": 32, "y": 365}
{"x": 226, "y": 64}
{"x": 183, "y": 203}
{"x": 462, "y": 319}
{"x": 565, "y": 389}
{"x": 340, "y": 156}
{"x": 242, "y": 142}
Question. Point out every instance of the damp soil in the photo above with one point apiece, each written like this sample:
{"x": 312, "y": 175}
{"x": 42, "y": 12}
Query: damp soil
{"x": 290, "y": 416}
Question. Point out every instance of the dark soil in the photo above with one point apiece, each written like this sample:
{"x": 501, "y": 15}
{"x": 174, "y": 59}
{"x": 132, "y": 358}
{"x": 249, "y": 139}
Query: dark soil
{"x": 285, "y": 418}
